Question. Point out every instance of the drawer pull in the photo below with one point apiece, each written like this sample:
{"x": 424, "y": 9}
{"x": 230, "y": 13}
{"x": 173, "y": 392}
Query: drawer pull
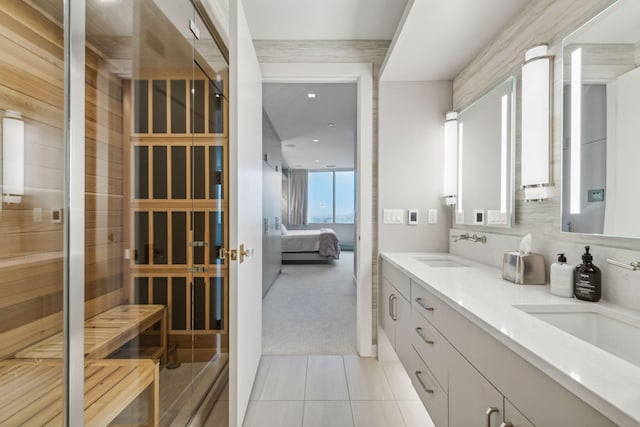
{"x": 421, "y": 335}
{"x": 506, "y": 424}
{"x": 392, "y": 307}
{"x": 421, "y": 304}
{"x": 424, "y": 386}
{"x": 490, "y": 410}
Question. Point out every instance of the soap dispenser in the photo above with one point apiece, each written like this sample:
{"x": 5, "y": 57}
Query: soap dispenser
{"x": 562, "y": 278}
{"x": 587, "y": 279}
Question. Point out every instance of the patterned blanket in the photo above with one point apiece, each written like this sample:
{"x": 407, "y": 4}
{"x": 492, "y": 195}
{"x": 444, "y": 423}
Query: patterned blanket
{"x": 329, "y": 243}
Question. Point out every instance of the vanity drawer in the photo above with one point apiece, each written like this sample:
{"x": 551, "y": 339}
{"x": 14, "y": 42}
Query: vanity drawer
{"x": 435, "y": 399}
{"x": 397, "y": 278}
{"x": 432, "y": 347}
{"x": 428, "y": 305}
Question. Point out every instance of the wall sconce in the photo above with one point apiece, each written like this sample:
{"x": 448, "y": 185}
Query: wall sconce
{"x": 450, "y": 158}
{"x": 536, "y": 127}
{"x": 12, "y": 157}
{"x": 576, "y": 131}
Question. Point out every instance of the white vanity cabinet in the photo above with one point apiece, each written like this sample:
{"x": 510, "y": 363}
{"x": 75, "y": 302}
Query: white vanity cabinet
{"x": 473, "y": 400}
{"x": 395, "y": 309}
{"x": 461, "y": 371}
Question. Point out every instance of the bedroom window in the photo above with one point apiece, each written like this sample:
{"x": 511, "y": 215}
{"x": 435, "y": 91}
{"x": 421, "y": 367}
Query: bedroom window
{"x": 331, "y": 197}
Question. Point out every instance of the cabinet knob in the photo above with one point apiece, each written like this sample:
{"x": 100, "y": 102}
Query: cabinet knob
{"x": 423, "y": 305}
{"x": 418, "y": 375}
{"x": 392, "y": 311}
{"x": 490, "y": 410}
{"x": 421, "y": 335}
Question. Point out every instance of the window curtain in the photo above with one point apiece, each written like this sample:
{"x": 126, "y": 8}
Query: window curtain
{"x": 298, "y": 197}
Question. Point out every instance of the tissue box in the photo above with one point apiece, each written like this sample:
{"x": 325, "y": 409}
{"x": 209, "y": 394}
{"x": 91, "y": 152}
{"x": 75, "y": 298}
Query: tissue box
{"x": 523, "y": 269}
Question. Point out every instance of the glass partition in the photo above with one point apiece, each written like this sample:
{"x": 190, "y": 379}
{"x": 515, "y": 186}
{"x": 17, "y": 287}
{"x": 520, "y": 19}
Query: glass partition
{"x": 32, "y": 179}
{"x": 153, "y": 190}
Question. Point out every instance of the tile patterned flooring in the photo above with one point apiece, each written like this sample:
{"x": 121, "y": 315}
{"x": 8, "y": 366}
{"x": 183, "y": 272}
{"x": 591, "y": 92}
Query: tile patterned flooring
{"x": 333, "y": 391}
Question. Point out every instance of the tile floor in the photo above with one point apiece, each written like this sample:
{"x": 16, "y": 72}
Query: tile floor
{"x": 333, "y": 391}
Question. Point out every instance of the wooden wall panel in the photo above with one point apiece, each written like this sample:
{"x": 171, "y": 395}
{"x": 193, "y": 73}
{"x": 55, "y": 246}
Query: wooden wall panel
{"x": 31, "y": 264}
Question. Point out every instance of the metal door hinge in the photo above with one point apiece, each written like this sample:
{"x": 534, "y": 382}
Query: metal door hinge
{"x": 233, "y": 254}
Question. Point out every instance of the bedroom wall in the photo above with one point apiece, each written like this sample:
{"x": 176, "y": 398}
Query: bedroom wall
{"x": 271, "y": 203}
{"x": 410, "y": 172}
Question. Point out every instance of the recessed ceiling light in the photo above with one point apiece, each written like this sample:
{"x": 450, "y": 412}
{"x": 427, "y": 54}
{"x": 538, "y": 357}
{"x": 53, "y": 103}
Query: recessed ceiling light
{"x": 330, "y": 166}
{"x": 331, "y": 125}
{"x": 317, "y": 161}
{"x": 316, "y": 140}
{"x": 290, "y": 145}
{"x": 311, "y": 95}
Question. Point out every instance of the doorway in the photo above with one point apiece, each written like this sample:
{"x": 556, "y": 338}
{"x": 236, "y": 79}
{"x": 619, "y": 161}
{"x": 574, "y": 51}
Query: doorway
{"x": 361, "y": 75}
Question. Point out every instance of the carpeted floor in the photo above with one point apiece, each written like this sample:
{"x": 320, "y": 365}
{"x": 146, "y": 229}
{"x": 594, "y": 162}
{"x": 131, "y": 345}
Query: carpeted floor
{"x": 311, "y": 309}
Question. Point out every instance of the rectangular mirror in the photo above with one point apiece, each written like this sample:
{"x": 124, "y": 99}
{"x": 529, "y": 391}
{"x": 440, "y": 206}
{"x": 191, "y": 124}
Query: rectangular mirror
{"x": 485, "y": 158}
{"x": 601, "y": 124}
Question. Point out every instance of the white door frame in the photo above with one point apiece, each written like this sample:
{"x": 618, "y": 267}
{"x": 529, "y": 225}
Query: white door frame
{"x": 362, "y": 75}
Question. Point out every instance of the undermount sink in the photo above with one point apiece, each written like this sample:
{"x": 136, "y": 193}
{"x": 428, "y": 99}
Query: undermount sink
{"x": 613, "y": 331}
{"x": 441, "y": 262}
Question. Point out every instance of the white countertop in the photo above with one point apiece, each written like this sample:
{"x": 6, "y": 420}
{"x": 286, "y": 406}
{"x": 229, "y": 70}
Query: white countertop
{"x": 606, "y": 382}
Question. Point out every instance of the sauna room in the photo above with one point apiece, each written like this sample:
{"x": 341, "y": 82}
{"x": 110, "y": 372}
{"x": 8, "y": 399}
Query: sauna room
{"x": 148, "y": 291}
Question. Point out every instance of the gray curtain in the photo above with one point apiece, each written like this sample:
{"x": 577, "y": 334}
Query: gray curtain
{"x": 298, "y": 197}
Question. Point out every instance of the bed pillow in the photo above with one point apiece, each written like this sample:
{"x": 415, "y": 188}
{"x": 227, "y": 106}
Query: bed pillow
{"x": 283, "y": 229}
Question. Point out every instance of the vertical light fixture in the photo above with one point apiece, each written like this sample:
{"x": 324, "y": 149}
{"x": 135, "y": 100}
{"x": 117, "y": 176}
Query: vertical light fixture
{"x": 12, "y": 157}
{"x": 460, "y": 158}
{"x": 576, "y": 131}
{"x": 504, "y": 136}
{"x": 450, "y": 181}
{"x": 536, "y": 123}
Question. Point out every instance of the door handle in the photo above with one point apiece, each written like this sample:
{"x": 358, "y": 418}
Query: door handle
{"x": 222, "y": 254}
{"x": 245, "y": 252}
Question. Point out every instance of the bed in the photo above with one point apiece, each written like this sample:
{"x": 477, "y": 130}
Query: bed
{"x": 310, "y": 245}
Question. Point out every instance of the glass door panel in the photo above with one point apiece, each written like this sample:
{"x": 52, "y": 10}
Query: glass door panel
{"x": 32, "y": 197}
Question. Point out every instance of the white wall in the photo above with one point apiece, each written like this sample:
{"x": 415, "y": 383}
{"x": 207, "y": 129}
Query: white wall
{"x": 410, "y": 155}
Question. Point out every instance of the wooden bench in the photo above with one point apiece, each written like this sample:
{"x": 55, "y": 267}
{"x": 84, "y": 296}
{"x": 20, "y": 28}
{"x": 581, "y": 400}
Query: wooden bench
{"x": 106, "y": 333}
{"x": 31, "y": 392}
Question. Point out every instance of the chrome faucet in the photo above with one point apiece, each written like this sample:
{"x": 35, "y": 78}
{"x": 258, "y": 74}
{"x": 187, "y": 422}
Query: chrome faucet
{"x": 474, "y": 238}
{"x": 464, "y": 236}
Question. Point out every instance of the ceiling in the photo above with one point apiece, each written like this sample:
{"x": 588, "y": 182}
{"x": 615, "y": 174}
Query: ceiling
{"x": 437, "y": 39}
{"x": 324, "y": 20}
{"x": 299, "y": 120}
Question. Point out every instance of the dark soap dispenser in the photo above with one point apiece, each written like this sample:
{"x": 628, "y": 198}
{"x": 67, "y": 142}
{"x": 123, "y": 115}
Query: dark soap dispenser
{"x": 587, "y": 279}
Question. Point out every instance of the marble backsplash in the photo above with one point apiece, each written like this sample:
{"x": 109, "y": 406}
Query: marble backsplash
{"x": 619, "y": 286}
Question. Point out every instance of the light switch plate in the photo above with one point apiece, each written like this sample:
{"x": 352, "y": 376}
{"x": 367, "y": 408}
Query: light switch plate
{"x": 433, "y": 216}
{"x": 393, "y": 216}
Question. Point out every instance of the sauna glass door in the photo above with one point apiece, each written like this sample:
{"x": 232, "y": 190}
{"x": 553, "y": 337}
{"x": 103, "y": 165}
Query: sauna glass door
{"x": 177, "y": 206}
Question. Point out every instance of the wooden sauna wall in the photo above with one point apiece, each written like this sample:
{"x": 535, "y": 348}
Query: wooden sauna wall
{"x": 32, "y": 83}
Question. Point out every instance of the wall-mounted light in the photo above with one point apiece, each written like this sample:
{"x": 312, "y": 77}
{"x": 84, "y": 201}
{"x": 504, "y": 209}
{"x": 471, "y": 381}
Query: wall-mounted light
{"x": 460, "y": 169}
{"x": 12, "y": 157}
{"x": 504, "y": 151}
{"x": 576, "y": 131}
{"x": 450, "y": 158}
{"x": 536, "y": 123}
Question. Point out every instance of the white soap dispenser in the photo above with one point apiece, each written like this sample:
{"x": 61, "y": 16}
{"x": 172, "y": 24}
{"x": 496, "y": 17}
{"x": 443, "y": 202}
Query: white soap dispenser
{"x": 562, "y": 278}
